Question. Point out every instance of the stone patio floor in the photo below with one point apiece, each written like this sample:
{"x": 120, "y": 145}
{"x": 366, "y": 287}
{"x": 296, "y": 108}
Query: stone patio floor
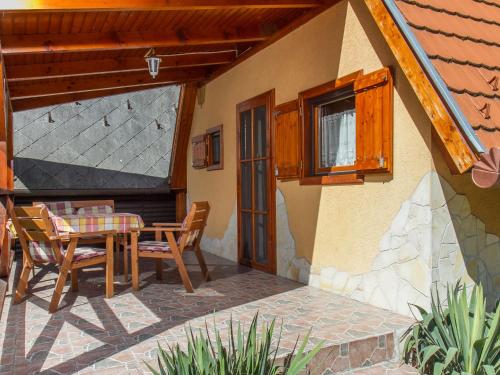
{"x": 91, "y": 334}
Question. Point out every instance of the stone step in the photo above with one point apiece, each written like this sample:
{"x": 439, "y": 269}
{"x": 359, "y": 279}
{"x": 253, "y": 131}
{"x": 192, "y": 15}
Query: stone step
{"x": 364, "y": 353}
{"x": 383, "y": 368}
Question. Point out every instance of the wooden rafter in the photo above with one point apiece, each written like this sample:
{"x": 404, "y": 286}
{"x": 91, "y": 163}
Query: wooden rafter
{"x": 107, "y": 66}
{"x": 138, "y": 5}
{"x": 40, "y": 88}
{"x": 87, "y": 42}
{"x": 452, "y": 139}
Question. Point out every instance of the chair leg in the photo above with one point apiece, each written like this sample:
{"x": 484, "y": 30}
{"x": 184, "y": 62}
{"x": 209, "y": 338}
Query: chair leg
{"x": 159, "y": 269}
{"x": 135, "y": 261}
{"x": 61, "y": 280}
{"x": 117, "y": 253}
{"x": 23, "y": 282}
{"x": 180, "y": 262}
{"x": 74, "y": 280}
{"x": 203, "y": 265}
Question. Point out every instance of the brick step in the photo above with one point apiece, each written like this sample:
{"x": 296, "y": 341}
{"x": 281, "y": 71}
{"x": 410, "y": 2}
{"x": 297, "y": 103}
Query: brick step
{"x": 383, "y": 368}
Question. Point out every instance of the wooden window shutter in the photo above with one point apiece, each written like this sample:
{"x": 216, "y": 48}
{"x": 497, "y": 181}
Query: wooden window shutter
{"x": 199, "y": 146}
{"x": 374, "y": 121}
{"x": 287, "y": 136}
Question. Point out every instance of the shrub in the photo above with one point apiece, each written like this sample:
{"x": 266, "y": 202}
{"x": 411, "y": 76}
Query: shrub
{"x": 461, "y": 338}
{"x": 250, "y": 355}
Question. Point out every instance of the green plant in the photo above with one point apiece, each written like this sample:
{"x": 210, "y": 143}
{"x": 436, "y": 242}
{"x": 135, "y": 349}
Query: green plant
{"x": 250, "y": 355}
{"x": 461, "y": 338}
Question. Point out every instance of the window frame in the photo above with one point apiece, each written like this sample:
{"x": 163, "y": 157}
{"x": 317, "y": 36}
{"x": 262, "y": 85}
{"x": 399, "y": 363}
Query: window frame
{"x": 315, "y": 105}
{"x": 335, "y": 174}
{"x": 211, "y": 166}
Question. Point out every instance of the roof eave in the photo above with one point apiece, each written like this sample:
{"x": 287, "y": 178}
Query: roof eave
{"x": 435, "y": 77}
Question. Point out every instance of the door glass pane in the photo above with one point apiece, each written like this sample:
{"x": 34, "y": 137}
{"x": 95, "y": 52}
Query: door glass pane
{"x": 246, "y": 135}
{"x": 260, "y": 136}
{"x": 260, "y": 185}
{"x": 246, "y": 224}
{"x": 246, "y": 185}
{"x": 261, "y": 238}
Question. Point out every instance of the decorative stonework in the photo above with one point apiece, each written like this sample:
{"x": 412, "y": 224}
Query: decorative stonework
{"x": 433, "y": 240}
{"x": 285, "y": 244}
{"x": 227, "y": 246}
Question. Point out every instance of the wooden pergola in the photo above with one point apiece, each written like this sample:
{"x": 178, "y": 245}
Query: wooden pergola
{"x": 60, "y": 51}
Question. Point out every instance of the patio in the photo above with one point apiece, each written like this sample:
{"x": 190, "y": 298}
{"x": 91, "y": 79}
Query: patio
{"x": 90, "y": 334}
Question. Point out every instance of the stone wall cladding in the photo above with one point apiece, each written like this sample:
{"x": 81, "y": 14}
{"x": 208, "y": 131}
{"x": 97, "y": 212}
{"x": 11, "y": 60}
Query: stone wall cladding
{"x": 76, "y": 150}
{"x": 433, "y": 240}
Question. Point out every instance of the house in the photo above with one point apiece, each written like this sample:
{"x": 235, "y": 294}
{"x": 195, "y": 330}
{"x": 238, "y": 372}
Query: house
{"x": 425, "y": 74}
{"x": 350, "y": 145}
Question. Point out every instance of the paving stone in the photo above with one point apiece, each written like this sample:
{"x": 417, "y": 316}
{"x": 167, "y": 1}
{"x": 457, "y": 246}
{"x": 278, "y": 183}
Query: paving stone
{"x": 91, "y": 334}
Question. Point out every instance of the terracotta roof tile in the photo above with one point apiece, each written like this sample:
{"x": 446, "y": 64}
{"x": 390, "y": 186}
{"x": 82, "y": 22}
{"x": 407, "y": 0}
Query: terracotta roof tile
{"x": 462, "y": 39}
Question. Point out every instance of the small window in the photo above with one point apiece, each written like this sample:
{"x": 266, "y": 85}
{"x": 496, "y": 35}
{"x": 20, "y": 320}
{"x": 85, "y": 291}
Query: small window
{"x": 346, "y": 130}
{"x": 334, "y": 119}
{"x": 214, "y": 141}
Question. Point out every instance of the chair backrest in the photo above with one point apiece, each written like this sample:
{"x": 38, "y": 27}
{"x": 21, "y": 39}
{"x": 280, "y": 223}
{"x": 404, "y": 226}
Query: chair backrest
{"x": 38, "y": 237}
{"x": 58, "y": 208}
{"x": 194, "y": 224}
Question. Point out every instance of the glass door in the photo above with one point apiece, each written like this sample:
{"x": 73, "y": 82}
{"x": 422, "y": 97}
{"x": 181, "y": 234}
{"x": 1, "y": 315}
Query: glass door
{"x": 256, "y": 194}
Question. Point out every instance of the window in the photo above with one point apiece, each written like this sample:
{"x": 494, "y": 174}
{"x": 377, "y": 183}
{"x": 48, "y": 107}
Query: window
{"x": 207, "y": 149}
{"x": 333, "y": 121}
{"x": 338, "y": 132}
{"x": 214, "y": 143}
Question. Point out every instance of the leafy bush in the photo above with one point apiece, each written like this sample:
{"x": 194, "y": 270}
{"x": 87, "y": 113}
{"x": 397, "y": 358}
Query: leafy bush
{"x": 243, "y": 356}
{"x": 461, "y": 338}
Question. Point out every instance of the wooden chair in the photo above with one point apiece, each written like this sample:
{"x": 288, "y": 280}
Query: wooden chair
{"x": 42, "y": 245}
{"x": 121, "y": 240}
{"x": 189, "y": 234}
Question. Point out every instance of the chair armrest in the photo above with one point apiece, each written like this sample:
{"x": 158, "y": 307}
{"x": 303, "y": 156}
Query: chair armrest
{"x": 162, "y": 229}
{"x": 92, "y": 234}
{"x": 167, "y": 224}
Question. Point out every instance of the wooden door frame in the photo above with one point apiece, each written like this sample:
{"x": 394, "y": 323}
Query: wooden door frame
{"x": 268, "y": 99}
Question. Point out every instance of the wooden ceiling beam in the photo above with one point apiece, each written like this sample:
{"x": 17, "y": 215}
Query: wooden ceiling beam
{"x": 40, "y": 88}
{"x": 45, "y": 101}
{"x": 109, "y": 66}
{"x": 147, "y": 5}
{"x": 87, "y": 42}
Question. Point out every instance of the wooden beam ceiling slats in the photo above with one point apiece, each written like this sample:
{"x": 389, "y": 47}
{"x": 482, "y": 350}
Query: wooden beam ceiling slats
{"x": 43, "y": 43}
{"x": 153, "y": 5}
{"x": 22, "y": 89}
{"x": 107, "y": 66}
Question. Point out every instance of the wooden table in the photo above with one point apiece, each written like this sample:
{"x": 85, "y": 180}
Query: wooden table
{"x": 122, "y": 223}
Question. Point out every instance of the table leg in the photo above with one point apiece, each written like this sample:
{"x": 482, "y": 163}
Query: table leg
{"x": 125, "y": 257}
{"x": 135, "y": 261}
{"x": 109, "y": 267}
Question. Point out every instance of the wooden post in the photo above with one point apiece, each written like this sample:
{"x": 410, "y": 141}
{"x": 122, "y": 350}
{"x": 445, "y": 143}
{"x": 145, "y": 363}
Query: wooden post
{"x": 6, "y": 173}
{"x": 180, "y": 205}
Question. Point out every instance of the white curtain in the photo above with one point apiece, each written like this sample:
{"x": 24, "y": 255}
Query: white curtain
{"x": 338, "y": 138}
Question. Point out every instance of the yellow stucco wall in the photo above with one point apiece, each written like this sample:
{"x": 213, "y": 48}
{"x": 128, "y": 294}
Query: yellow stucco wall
{"x": 336, "y": 226}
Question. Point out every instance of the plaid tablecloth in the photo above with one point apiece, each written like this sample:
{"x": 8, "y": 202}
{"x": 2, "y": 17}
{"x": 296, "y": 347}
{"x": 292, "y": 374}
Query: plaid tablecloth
{"x": 121, "y": 222}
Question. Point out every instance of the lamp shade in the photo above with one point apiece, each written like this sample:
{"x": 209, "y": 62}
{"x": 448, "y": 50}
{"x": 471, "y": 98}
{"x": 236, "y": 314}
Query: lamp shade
{"x": 153, "y": 65}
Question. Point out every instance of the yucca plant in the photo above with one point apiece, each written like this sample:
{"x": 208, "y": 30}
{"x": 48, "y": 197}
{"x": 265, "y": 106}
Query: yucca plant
{"x": 248, "y": 354}
{"x": 461, "y": 338}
